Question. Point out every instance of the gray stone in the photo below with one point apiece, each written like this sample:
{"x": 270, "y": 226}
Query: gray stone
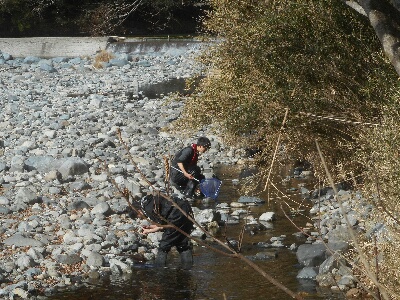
{"x": 266, "y": 255}
{"x": 79, "y": 186}
{"x": 24, "y": 262}
{"x": 102, "y": 208}
{"x": 17, "y": 164}
{"x": 68, "y": 259}
{"x": 40, "y": 163}
{"x": 78, "y": 205}
{"x": 52, "y": 175}
{"x": 4, "y": 210}
{"x": 347, "y": 280}
{"x": 95, "y": 259}
{"x": 54, "y": 190}
{"x": 86, "y": 230}
{"x": 339, "y": 234}
{"x": 337, "y": 247}
{"x": 332, "y": 262}
{"x": 73, "y": 166}
{"x": 307, "y": 273}
{"x": 123, "y": 267}
{"x": 31, "y": 60}
{"x": 311, "y": 255}
{"x": 267, "y": 217}
{"x": 247, "y": 199}
{"x": 21, "y": 241}
{"x": 206, "y": 216}
{"x": 26, "y": 195}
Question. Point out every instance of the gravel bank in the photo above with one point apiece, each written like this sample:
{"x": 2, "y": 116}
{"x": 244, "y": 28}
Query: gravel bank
{"x": 62, "y": 220}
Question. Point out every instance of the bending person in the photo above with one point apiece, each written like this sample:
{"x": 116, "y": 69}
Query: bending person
{"x": 185, "y": 173}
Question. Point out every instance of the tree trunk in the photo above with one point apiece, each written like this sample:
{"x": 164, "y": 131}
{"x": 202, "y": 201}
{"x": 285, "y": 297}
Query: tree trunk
{"x": 385, "y": 19}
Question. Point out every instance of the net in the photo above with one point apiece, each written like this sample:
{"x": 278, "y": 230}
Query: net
{"x": 210, "y": 187}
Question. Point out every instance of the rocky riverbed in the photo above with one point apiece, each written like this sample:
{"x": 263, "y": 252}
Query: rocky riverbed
{"x": 62, "y": 219}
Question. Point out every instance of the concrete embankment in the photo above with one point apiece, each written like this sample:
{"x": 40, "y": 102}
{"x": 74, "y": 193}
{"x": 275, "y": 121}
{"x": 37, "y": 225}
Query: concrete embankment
{"x": 46, "y": 47}
{"x": 49, "y": 47}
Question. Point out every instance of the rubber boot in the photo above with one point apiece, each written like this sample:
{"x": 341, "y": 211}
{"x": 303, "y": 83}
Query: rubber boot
{"x": 161, "y": 259}
{"x": 189, "y": 190}
{"x": 186, "y": 259}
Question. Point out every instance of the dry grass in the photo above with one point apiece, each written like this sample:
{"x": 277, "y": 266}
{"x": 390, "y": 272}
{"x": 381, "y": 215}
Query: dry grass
{"x": 102, "y": 57}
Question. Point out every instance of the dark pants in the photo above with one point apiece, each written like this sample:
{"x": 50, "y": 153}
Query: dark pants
{"x": 172, "y": 237}
{"x": 183, "y": 183}
{"x": 180, "y": 181}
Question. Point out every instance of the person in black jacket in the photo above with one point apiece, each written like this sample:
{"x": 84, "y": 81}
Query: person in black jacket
{"x": 163, "y": 212}
{"x": 185, "y": 173}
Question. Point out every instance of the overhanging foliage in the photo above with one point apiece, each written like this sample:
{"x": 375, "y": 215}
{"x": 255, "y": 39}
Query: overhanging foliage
{"x": 312, "y": 57}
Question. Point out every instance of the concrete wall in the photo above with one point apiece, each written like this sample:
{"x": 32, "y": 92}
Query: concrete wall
{"x": 47, "y": 47}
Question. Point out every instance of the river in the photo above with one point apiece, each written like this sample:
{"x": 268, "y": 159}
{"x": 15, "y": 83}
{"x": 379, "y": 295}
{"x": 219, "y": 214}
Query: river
{"x": 215, "y": 276}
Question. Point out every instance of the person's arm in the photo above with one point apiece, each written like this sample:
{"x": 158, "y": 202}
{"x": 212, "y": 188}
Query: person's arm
{"x": 186, "y": 174}
{"x": 151, "y": 228}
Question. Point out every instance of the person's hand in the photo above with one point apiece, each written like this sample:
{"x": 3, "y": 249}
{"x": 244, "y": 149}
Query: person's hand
{"x": 150, "y": 229}
{"x": 190, "y": 176}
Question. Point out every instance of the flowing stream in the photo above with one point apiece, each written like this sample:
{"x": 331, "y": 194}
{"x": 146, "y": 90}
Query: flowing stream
{"x": 215, "y": 276}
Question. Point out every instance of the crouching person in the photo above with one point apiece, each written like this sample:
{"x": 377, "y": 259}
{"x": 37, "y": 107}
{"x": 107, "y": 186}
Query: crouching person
{"x": 161, "y": 211}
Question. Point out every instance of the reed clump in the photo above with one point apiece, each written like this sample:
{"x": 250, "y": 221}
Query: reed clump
{"x": 380, "y": 154}
{"x": 102, "y": 57}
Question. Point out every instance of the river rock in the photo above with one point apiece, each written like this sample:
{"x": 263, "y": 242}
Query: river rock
{"x": 21, "y": 241}
{"x": 311, "y": 255}
{"x": 95, "y": 259}
{"x": 267, "y": 217}
{"x": 60, "y": 151}
{"x": 308, "y": 273}
{"x": 248, "y": 199}
{"x": 73, "y": 166}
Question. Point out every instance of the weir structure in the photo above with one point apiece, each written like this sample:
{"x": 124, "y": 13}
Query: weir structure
{"x": 49, "y": 47}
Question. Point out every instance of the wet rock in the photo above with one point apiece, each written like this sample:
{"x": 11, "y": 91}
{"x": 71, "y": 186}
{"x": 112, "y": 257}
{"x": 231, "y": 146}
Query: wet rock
{"x": 308, "y": 273}
{"x": 266, "y": 255}
{"x": 326, "y": 280}
{"x": 247, "y": 199}
{"x": 332, "y": 262}
{"x": 311, "y": 255}
{"x": 267, "y": 217}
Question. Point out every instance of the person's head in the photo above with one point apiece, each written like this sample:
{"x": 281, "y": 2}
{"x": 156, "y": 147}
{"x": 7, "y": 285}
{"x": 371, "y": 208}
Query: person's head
{"x": 203, "y": 144}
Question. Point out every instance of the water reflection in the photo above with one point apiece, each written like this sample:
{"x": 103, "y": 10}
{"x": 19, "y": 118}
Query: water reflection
{"x": 153, "y": 91}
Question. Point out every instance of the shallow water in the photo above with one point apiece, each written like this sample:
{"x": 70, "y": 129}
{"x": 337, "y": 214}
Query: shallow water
{"x": 215, "y": 276}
